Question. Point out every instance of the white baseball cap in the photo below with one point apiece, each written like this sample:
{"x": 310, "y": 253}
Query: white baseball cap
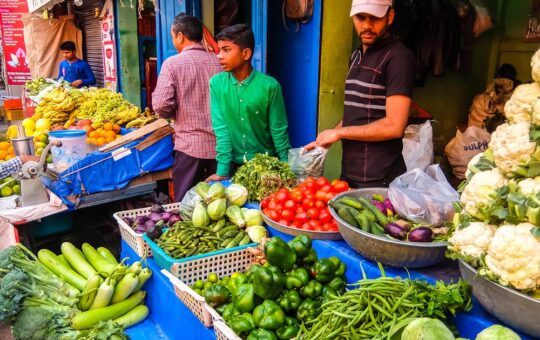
{"x": 377, "y": 8}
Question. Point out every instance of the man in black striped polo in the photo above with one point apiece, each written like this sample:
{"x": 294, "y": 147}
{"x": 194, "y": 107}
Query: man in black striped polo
{"x": 378, "y": 93}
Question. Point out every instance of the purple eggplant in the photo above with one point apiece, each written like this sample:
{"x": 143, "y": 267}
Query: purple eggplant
{"x": 157, "y": 208}
{"x": 141, "y": 220}
{"x": 140, "y": 229}
{"x": 421, "y": 234}
{"x": 404, "y": 224}
{"x": 166, "y": 216}
{"x": 388, "y": 205}
{"x": 154, "y": 232}
{"x": 128, "y": 220}
{"x": 149, "y": 224}
{"x": 380, "y": 206}
{"x": 154, "y": 216}
{"x": 395, "y": 230}
{"x": 174, "y": 219}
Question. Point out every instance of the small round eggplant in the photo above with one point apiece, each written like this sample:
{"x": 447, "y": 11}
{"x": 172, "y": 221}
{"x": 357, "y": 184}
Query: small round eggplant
{"x": 141, "y": 219}
{"x": 128, "y": 220}
{"x": 154, "y": 216}
{"x": 379, "y": 205}
{"x": 174, "y": 219}
{"x": 395, "y": 230}
{"x": 421, "y": 234}
{"x": 149, "y": 224}
{"x": 388, "y": 205}
{"x": 166, "y": 216}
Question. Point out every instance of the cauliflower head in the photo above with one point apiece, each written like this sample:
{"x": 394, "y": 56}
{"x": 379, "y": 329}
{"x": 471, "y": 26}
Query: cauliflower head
{"x": 473, "y": 240}
{"x": 535, "y": 66}
{"x": 529, "y": 186}
{"x": 511, "y": 146}
{"x": 514, "y": 256}
{"x": 520, "y": 106}
{"x": 480, "y": 191}
{"x": 536, "y": 113}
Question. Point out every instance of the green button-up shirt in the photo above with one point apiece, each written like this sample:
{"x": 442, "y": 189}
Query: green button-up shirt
{"x": 248, "y": 117}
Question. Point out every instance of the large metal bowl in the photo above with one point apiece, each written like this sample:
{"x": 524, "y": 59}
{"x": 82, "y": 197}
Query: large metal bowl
{"x": 385, "y": 250}
{"x": 314, "y": 235}
{"x": 512, "y": 307}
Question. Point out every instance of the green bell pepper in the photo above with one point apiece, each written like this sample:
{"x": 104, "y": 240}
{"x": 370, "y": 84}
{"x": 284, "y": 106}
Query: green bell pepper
{"x": 313, "y": 289}
{"x": 341, "y": 267}
{"x": 261, "y": 334}
{"x": 296, "y": 278}
{"x": 289, "y": 330}
{"x": 280, "y": 254}
{"x": 244, "y": 298}
{"x": 301, "y": 245}
{"x": 310, "y": 258}
{"x": 329, "y": 293}
{"x": 269, "y": 315}
{"x": 323, "y": 270}
{"x": 242, "y": 324}
{"x": 267, "y": 281}
{"x": 308, "y": 310}
{"x": 230, "y": 312}
{"x": 234, "y": 283}
{"x": 337, "y": 283}
{"x": 221, "y": 309}
{"x": 217, "y": 295}
{"x": 289, "y": 300}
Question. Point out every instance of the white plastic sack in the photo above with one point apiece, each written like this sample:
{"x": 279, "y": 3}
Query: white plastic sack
{"x": 7, "y": 235}
{"x": 418, "y": 146}
{"x": 423, "y": 197}
{"x": 464, "y": 146}
{"x": 305, "y": 164}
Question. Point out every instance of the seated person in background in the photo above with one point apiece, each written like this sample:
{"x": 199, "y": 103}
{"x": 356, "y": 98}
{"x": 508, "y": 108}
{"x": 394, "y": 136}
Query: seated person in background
{"x": 74, "y": 70}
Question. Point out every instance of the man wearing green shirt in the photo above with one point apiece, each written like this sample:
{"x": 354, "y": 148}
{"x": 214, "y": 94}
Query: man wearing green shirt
{"x": 247, "y": 107}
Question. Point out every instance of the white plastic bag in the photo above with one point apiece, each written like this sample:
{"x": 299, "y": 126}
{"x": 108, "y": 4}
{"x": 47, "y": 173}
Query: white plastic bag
{"x": 418, "y": 146}
{"x": 423, "y": 197}
{"x": 305, "y": 164}
{"x": 187, "y": 205}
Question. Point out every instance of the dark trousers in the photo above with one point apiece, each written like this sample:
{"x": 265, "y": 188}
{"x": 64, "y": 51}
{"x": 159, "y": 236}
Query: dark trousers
{"x": 397, "y": 169}
{"x": 188, "y": 171}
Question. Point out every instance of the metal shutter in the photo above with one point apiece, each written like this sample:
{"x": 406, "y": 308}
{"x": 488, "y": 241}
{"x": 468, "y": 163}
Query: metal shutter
{"x": 91, "y": 28}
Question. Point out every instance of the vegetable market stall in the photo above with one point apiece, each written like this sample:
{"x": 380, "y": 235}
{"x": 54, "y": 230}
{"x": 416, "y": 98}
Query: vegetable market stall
{"x": 171, "y": 319}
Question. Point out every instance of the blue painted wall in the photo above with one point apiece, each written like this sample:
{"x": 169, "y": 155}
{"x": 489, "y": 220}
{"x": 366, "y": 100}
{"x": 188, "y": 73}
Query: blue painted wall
{"x": 293, "y": 59}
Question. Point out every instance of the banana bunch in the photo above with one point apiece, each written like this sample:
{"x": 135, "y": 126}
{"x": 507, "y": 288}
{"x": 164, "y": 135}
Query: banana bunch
{"x": 58, "y": 105}
{"x": 36, "y": 85}
{"x": 141, "y": 121}
{"x": 126, "y": 116}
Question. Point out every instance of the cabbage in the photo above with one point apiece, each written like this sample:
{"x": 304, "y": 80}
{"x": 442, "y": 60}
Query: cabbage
{"x": 497, "y": 332}
{"x": 200, "y": 216}
{"x": 427, "y": 329}
{"x": 252, "y": 217}
{"x": 256, "y": 233}
{"x": 216, "y": 209}
{"x": 237, "y": 194}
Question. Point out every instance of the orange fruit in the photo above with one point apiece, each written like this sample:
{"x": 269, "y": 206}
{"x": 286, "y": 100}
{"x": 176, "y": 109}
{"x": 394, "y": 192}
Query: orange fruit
{"x": 90, "y": 140}
{"x": 108, "y": 126}
{"x": 110, "y": 134}
{"x": 4, "y": 145}
{"x": 100, "y": 141}
{"x": 10, "y": 151}
{"x": 8, "y": 157}
{"x": 100, "y": 132}
{"x": 93, "y": 134}
{"x": 3, "y": 154}
{"x": 116, "y": 128}
{"x": 109, "y": 139}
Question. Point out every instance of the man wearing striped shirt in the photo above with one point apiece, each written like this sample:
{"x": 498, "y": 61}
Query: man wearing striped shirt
{"x": 182, "y": 93}
{"x": 378, "y": 93}
{"x": 10, "y": 167}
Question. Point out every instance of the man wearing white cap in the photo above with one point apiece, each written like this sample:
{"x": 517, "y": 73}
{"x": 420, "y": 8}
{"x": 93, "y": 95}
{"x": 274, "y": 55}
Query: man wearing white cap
{"x": 378, "y": 93}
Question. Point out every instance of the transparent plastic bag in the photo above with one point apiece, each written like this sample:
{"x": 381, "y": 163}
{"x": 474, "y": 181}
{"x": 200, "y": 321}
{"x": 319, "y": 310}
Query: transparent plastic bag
{"x": 424, "y": 197}
{"x": 310, "y": 163}
{"x": 188, "y": 204}
{"x": 418, "y": 146}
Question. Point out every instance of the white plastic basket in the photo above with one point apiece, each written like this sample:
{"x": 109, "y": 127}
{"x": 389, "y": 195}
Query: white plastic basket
{"x": 186, "y": 273}
{"x": 135, "y": 240}
{"x": 221, "y": 330}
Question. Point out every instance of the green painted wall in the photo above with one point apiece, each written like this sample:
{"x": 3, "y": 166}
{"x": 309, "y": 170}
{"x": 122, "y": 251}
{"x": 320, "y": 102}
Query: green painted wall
{"x": 336, "y": 48}
{"x": 129, "y": 53}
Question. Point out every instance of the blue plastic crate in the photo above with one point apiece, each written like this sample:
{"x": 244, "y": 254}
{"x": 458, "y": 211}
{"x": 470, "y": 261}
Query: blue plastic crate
{"x": 166, "y": 262}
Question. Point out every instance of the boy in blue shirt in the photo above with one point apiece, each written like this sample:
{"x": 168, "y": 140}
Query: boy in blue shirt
{"x": 73, "y": 69}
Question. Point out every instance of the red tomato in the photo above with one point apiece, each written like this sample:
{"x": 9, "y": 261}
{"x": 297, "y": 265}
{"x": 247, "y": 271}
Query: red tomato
{"x": 307, "y": 203}
{"x": 297, "y": 197}
{"x": 264, "y": 203}
{"x": 310, "y": 179}
{"x": 296, "y": 224}
{"x": 307, "y": 226}
{"x": 301, "y": 217}
{"x": 311, "y": 186}
{"x": 327, "y": 188}
{"x": 289, "y": 204}
{"x": 327, "y": 227}
{"x": 282, "y": 195}
{"x": 329, "y": 196}
{"x": 300, "y": 209}
{"x": 285, "y": 222}
{"x": 274, "y": 215}
{"x": 287, "y": 214}
{"x": 321, "y": 182}
{"x": 320, "y": 195}
{"x": 319, "y": 205}
{"x": 340, "y": 186}
{"x": 272, "y": 205}
{"x": 314, "y": 224}
{"x": 266, "y": 211}
{"x": 324, "y": 216}
{"x": 313, "y": 213}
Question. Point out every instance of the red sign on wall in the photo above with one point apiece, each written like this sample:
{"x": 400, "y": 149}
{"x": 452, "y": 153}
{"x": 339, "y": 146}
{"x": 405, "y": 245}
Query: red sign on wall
{"x": 11, "y": 12}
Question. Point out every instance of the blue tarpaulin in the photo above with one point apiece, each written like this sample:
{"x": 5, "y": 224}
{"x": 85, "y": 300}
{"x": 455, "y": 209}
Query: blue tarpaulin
{"x": 101, "y": 171}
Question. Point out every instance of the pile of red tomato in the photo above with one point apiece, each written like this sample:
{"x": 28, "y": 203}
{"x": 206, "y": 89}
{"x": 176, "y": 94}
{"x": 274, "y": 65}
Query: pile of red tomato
{"x": 306, "y": 206}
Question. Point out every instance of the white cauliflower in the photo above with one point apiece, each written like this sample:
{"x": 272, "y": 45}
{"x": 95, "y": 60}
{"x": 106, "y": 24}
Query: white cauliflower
{"x": 529, "y": 186}
{"x": 514, "y": 256}
{"x": 536, "y": 113}
{"x": 482, "y": 161}
{"x": 481, "y": 191}
{"x": 535, "y": 66}
{"x": 511, "y": 146}
{"x": 520, "y": 106}
{"x": 473, "y": 240}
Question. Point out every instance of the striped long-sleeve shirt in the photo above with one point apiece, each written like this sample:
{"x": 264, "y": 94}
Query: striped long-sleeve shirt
{"x": 9, "y": 167}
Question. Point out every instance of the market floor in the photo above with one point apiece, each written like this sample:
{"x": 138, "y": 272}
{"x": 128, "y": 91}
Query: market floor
{"x": 5, "y": 332}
